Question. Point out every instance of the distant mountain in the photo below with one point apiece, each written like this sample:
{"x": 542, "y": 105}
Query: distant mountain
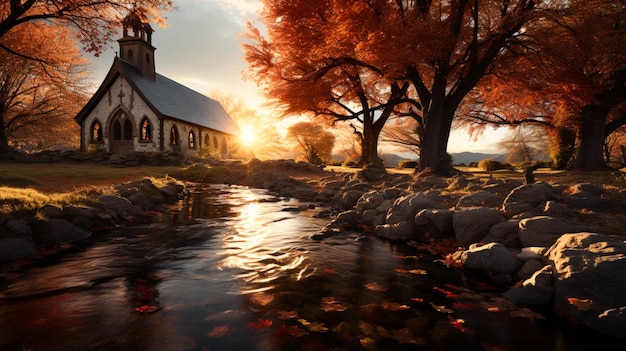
{"x": 469, "y": 157}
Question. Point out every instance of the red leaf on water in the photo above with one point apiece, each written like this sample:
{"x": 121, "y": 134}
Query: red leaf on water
{"x": 146, "y": 309}
{"x": 329, "y": 271}
{"x": 260, "y": 324}
{"x": 417, "y": 299}
{"x": 448, "y": 293}
{"x": 460, "y": 325}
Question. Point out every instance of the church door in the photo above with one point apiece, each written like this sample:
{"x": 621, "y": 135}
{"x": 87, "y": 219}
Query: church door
{"x": 121, "y": 134}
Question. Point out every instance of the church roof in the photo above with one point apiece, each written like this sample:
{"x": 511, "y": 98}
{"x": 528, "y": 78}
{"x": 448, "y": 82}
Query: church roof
{"x": 177, "y": 101}
{"x": 168, "y": 99}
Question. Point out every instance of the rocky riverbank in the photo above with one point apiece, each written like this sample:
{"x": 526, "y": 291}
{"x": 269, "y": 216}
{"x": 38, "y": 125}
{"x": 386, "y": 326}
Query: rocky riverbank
{"x": 559, "y": 246}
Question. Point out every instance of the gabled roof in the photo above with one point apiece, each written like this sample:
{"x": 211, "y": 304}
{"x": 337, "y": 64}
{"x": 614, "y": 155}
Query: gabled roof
{"x": 168, "y": 99}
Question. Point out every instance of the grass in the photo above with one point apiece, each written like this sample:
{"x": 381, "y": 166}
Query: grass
{"x": 26, "y": 187}
{"x": 68, "y": 177}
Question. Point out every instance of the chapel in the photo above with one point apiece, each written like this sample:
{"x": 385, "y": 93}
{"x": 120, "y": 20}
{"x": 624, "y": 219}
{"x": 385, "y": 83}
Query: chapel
{"x": 136, "y": 109}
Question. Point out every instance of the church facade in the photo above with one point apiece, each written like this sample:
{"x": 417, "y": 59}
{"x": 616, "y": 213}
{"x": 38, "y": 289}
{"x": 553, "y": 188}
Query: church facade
{"x": 136, "y": 109}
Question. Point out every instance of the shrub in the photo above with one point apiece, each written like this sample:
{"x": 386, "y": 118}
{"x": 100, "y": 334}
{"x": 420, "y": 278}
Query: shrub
{"x": 348, "y": 164}
{"x": 491, "y": 165}
{"x": 407, "y": 164}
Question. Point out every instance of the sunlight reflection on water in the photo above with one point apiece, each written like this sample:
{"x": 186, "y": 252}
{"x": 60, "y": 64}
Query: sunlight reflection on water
{"x": 233, "y": 270}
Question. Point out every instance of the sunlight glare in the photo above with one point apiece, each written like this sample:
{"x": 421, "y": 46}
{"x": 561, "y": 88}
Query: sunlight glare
{"x": 248, "y": 137}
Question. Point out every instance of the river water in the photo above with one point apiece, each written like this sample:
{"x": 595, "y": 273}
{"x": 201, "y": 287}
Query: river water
{"x": 232, "y": 268}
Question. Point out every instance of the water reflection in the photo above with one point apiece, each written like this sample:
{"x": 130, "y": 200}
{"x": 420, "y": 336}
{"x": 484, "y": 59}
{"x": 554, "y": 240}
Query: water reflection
{"x": 231, "y": 270}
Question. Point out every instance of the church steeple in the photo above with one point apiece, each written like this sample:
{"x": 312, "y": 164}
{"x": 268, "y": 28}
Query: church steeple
{"x": 136, "y": 44}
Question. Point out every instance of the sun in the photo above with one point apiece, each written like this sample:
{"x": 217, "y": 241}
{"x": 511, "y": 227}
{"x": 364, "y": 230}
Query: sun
{"x": 248, "y": 136}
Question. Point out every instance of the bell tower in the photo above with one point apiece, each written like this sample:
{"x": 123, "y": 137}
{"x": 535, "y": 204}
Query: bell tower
{"x": 136, "y": 44}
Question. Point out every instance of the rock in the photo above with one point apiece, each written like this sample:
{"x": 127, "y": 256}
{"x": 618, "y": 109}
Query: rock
{"x": 120, "y": 205}
{"x": 492, "y": 257}
{"x": 369, "y": 201}
{"x": 527, "y": 197}
{"x": 61, "y": 231}
{"x": 350, "y": 198}
{"x": 481, "y": 198}
{"x": 530, "y": 267}
{"x": 397, "y": 231}
{"x": 505, "y": 233}
{"x": 52, "y": 211}
{"x": 80, "y": 211}
{"x": 544, "y": 230}
{"x": 536, "y": 290}
{"x": 20, "y": 228}
{"x": 16, "y": 249}
{"x": 589, "y": 280}
{"x": 405, "y": 208}
{"x": 433, "y": 223}
{"x": 472, "y": 225}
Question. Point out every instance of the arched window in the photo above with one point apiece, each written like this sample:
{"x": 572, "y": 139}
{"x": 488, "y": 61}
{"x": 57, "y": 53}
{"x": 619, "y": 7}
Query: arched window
{"x": 96, "y": 132}
{"x": 146, "y": 130}
{"x": 174, "y": 136}
{"x": 224, "y": 146}
{"x": 207, "y": 140}
{"x": 192, "y": 140}
{"x": 130, "y": 54}
{"x": 215, "y": 145}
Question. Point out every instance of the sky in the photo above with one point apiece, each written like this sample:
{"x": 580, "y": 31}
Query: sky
{"x": 201, "y": 49}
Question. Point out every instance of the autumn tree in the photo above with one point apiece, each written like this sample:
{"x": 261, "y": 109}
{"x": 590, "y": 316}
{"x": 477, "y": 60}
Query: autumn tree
{"x": 95, "y": 22}
{"x": 308, "y": 64}
{"x": 570, "y": 77}
{"x": 444, "y": 49}
{"x": 314, "y": 143}
{"x": 525, "y": 144}
{"x": 38, "y": 102}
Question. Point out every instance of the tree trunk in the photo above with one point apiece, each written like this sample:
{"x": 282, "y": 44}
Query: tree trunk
{"x": 4, "y": 140}
{"x": 434, "y": 148}
{"x": 589, "y": 154}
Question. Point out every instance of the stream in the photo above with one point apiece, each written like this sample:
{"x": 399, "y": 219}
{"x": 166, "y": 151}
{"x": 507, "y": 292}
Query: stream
{"x": 233, "y": 268}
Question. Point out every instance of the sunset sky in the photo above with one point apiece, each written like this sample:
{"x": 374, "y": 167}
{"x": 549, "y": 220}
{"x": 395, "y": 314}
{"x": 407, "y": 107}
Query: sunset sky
{"x": 201, "y": 49}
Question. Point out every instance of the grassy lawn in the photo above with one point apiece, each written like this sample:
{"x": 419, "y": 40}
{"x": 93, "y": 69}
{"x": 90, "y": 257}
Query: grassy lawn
{"x": 67, "y": 177}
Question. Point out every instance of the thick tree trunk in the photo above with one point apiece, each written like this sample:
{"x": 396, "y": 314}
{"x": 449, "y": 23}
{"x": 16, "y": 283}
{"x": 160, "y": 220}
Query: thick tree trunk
{"x": 434, "y": 148}
{"x": 4, "y": 140}
{"x": 589, "y": 154}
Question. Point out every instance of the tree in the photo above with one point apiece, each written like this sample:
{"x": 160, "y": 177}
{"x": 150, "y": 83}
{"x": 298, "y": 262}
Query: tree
{"x": 38, "y": 102}
{"x": 524, "y": 144}
{"x": 314, "y": 143}
{"x": 570, "y": 76}
{"x": 442, "y": 48}
{"x": 308, "y": 65}
{"x": 95, "y": 22}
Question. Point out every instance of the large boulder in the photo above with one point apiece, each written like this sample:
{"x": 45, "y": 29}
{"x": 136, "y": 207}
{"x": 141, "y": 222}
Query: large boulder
{"x": 473, "y": 224}
{"x": 402, "y": 231}
{"x": 589, "y": 281}
{"x": 433, "y": 223}
{"x": 492, "y": 257}
{"x": 536, "y": 290}
{"x": 544, "y": 230}
{"x": 505, "y": 233}
{"x": 481, "y": 198}
{"x": 60, "y": 231}
{"x": 527, "y": 197}
{"x": 405, "y": 208}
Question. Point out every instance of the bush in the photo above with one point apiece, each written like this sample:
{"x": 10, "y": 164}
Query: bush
{"x": 348, "y": 164}
{"x": 491, "y": 165}
{"x": 407, "y": 164}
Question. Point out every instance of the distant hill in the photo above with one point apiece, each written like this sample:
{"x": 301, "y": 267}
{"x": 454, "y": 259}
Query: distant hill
{"x": 469, "y": 157}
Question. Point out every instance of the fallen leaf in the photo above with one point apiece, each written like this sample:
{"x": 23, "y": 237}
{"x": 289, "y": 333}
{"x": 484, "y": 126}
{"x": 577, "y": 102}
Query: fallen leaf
{"x": 417, "y": 299}
{"x": 146, "y": 309}
{"x": 329, "y": 271}
{"x": 218, "y": 331}
{"x": 375, "y": 287}
{"x": 460, "y": 325}
{"x": 448, "y": 293}
{"x": 313, "y": 326}
{"x": 284, "y": 315}
{"x": 292, "y": 330}
{"x": 330, "y": 304}
{"x": 394, "y": 306}
{"x": 581, "y": 304}
{"x": 260, "y": 324}
{"x": 368, "y": 343}
{"x": 442, "y": 309}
